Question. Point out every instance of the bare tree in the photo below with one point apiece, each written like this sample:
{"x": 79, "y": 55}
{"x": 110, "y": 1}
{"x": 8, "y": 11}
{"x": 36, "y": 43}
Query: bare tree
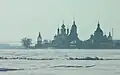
{"x": 26, "y": 42}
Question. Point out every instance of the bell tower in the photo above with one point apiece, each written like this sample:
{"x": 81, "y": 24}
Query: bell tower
{"x": 39, "y": 39}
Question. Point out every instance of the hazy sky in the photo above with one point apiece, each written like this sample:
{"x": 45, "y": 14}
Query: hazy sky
{"x": 19, "y": 18}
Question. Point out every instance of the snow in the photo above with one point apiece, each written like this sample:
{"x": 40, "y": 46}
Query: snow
{"x": 46, "y": 67}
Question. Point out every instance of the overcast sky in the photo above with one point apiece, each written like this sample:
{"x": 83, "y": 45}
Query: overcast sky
{"x": 20, "y": 18}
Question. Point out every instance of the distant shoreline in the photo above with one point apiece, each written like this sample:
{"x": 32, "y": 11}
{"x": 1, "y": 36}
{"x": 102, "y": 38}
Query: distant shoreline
{"x": 64, "y": 48}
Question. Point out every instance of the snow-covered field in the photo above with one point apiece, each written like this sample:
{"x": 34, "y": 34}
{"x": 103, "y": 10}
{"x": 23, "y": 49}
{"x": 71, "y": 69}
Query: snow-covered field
{"x": 59, "y": 65}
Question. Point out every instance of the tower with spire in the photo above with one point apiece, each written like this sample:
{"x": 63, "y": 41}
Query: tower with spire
{"x": 73, "y": 29}
{"x": 74, "y": 40}
{"x": 39, "y": 39}
{"x": 109, "y": 36}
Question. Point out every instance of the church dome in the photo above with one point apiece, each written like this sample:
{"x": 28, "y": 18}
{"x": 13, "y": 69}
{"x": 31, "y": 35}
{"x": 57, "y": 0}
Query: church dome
{"x": 63, "y": 26}
{"x": 98, "y": 28}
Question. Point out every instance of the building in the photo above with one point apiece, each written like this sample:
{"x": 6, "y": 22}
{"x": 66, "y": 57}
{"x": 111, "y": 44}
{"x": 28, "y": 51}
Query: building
{"x": 66, "y": 38}
{"x": 98, "y": 39}
{"x": 39, "y": 41}
{"x": 61, "y": 38}
{"x": 74, "y": 40}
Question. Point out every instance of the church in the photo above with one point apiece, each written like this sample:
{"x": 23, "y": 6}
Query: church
{"x": 67, "y": 38}
{"x": 98, "y": 39}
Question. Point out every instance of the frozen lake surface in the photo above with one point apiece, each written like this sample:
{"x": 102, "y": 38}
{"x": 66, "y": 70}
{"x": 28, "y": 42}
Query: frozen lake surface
{"x": 59, "y": 65}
